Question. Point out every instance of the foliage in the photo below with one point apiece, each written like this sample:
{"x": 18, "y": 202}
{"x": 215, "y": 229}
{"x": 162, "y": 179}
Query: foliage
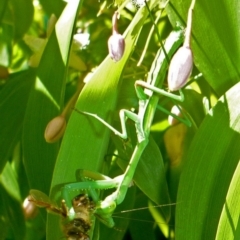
{"x": 42, "y": 73}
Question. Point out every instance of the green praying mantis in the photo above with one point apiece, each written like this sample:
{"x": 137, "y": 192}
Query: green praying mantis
{"x": 81, "y": 200}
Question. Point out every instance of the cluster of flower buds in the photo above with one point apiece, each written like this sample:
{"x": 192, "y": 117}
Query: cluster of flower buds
{"x": 182, "y": 62}
{"x": 116, "y": 43}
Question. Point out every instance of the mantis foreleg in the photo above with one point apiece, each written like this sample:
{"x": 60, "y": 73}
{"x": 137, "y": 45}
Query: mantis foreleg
{"x": 123, "y": 114}
{"x": 180, "y": 98}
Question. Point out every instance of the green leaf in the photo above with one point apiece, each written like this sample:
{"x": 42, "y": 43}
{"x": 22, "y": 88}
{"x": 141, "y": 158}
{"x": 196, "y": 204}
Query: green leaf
{"x": 215, "y": 39}
{"x": 193, "y": 101}
{"x": 22, "y": 16}
{"x": 46, "y": 100}
{"x": 3, "y": 6}
{"x": 53, "y": 6}
{"x": 13, "y": 97}
{"x": 228, "y": 227}
{"x": 11, "y": 201}
{"x": 210, "y": 165}
{"x": 141, "y": 219}
{"x": 6, "y": 34}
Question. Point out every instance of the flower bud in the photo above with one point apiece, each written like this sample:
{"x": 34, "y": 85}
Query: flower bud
{"x": 176, "y": 111}
{"x": 180, "y": 68}
{"x": 30, "y": 210}
{"x": 55, "y": 129}
{"x": 116, "y": 46}
{"x": 116, "y": 43}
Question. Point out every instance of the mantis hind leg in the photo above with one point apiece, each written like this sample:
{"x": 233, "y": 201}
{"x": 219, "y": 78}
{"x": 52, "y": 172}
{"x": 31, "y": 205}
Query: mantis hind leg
{"x": 123, "y": 114}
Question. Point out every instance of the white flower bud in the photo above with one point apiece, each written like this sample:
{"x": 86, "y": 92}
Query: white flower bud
{"x": 30, "y": 210}
{"x": 176, "y": 111}
{"x": 116, "y": 43}
{"x": 180, "y": 68}
{"x": 116, "y": 46}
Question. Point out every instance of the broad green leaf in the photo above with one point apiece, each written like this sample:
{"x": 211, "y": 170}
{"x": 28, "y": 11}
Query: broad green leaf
{"x": 209, "y": 167}
{"x": 22, "y": 16}
{"x": 11, "y": 201}
{"x": 53, "y": 6}
{"x": 35, "y": 225}
{"x": 13, "y": 98}
{"x": 4, "y": 219}
{"x": 46, "y": 101}
{"x": 3, "y": 6}
{"x": 215, "y": 39}
{"x": 193, "y": 101}
{"x": 141, "y": 218}
{"x": 228, "y": 227}
{"x": 9, "y": 181}
{"x": 6, "y": 34}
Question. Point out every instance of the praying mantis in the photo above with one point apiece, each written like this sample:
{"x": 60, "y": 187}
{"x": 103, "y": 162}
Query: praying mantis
{"x": 148, "y": 94}
{"x": 104, "y": 209}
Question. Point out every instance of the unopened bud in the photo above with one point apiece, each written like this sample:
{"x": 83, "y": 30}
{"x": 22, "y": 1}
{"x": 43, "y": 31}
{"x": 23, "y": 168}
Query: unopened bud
{"x": 116, "y": 46}
{"x": 180, "y": 68}
{"x": 30, "y": 210}
{"x": 116, "y": 43}
{"x": 176, "y": 111}
{"x": 55, "y": 129}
